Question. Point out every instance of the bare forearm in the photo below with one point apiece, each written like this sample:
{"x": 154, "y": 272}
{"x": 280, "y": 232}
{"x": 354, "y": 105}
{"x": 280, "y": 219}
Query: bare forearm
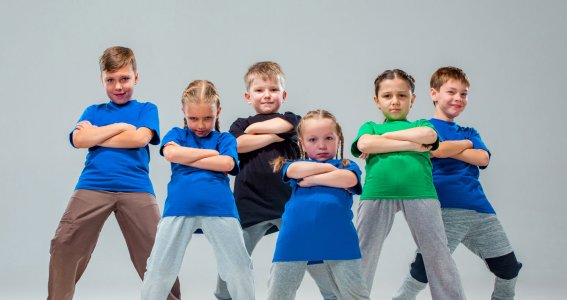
{"x": 220, "y": 163}
{"x": 337, "y": 178}
{"x": 418, "y": 135}
{"x": 186, "y": 155}
{"x": 250, "y": 142}
{"x": 275, "y": 125}
{"x": 476, "y": 157}
{"x": 379, "y": 144}
{"x": 93, "y": 135}
{"x": 451, "y": 148}
{"x": 303, "y": 169}
{"x": 129, "y": 139}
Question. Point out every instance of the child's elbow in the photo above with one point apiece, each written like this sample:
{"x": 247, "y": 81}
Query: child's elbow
{"x": 430, "y": 136}
{"x": 227, "y": 165}
{"x": 363, "y": 145}
{"x": 484, "y": 159}
{"x": 350, "y": 182}
{"x": 169, "y": 154}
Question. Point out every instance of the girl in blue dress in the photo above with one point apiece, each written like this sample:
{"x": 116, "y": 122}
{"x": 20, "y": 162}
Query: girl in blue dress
{"x": 199, "y": 197}
{"x": 317, "y": 221}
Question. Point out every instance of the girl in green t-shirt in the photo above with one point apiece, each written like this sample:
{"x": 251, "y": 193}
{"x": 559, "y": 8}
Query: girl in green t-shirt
{"x": 398, "y": 177}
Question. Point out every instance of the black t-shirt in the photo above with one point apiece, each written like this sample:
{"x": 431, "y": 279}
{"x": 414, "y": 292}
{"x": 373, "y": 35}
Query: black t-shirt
{"x": 259, "y": 192}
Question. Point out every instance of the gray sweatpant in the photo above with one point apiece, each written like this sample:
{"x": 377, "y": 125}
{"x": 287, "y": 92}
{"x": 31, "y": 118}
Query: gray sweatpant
{"x": 482, "y": 234}
{"x": 252, "y": 235}
{"x": 173, "y": 236}
{"x": 347, "y": 282}
{"x": 373, "y": 223}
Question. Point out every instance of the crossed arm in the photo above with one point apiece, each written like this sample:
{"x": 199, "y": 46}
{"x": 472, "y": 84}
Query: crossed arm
{"x": 462, "y": 150}
{"x": 417, "y": 139}
{"x": 117, "y": 135}
{"x": 312, "y": 174}
{"x": 261, "y": 134}
{"x": 206, "y": 159}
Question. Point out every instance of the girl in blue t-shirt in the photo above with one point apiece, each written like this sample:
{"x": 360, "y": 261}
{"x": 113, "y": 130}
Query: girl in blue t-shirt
{"x": 317, "y": 221}
{"x": 199, "y": 198}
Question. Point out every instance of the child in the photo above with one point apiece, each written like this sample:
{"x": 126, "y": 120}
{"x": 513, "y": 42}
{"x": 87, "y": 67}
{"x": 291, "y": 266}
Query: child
{"x": 317, "y": 222}
{"x": 398, "y": 177}
{"x": 115, "y": 178}
{"x": 260, "y": 194}
{"x": 199, "y": 197}
{"x": 467, "y": 215}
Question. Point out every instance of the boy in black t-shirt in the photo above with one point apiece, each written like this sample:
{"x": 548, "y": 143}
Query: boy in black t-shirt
{"x": 259, "y": 192}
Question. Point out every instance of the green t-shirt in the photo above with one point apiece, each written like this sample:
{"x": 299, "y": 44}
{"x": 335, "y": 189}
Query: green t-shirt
{"x": 396, "y": 175}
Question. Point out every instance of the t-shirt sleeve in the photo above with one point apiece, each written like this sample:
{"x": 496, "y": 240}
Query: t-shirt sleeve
{"x": 426, "y": 123}
{"x": 237, "y": 128}
{"x": 366, "y": 128}
{"x": 475, "y": 138}
{"x": 87, "y": 115}
{"x": 171, "y": 136}
{"x": 352, "y": 166}
{"x": 227, "y": 146}
{"x": 149, "y": 118}
{"x": 285, "y": 178}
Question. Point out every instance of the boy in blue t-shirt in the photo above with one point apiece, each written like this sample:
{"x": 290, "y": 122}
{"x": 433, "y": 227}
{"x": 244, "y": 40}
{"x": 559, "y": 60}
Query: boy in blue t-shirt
{"x": 115, "y": 178}
{"x": 468, "y": 217}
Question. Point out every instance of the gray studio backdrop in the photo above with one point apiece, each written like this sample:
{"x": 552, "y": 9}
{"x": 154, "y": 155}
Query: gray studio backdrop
{"x": 331, "y": 51}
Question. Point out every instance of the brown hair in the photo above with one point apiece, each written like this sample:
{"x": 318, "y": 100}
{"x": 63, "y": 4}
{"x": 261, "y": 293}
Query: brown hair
{"x": 392, "y": 74}
{"x": 278, "y": 163}
{"x": 444, "y": 74}
{"x": 117, "y": 57}
{"x": 264, "y": 70}
{"x": 201, "y": 91}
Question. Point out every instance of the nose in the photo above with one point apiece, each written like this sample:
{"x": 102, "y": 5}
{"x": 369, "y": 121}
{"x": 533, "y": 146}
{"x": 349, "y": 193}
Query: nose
{"x": 321, "y": 145}
{"x": 395, "y": 100}
{"x": 267, "y": 94}
{"x": 117, "y": 85}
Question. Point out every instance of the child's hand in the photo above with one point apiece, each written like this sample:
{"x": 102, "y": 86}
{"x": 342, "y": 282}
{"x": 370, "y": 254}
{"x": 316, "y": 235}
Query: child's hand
{"x": 424, "y": 148}
{"x": 363, "y": 155}
{"x": 127, "y": 126}
{"x": 306, "y": 182}
{"x": 84, "y": 124}
{"x": 171, "y": 144}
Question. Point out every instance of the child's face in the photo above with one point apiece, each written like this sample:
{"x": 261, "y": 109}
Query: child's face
{"x": 451, "y": 99}
{"x": 119, "y": 84}
{"x": 201, "y": 117}
{"x": 265, "y": 96}
{"x": 394, "y": 98}
{"x": 319, "y": 139}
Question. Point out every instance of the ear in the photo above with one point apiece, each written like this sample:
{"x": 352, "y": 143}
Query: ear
{"x": 412, "y": 99}
{"x": 434, "y": 94}
{"x": 247, "y": 97}
{"x": 284, "y": 95}
{"x": 376, "y": 102}
{"x": 136, "y": 78}
{"x": 219, "y": 109}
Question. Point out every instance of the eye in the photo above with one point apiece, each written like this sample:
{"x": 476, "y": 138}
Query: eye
{"x": 386, "y": 96}
{"x": 330, "y": 138}
{"x": 464, "y": 95}
{"x": 311, "y": 140}
{"x": 208, "y": 118}
{"x": 192, "y": 119}
{"x": 275, "y": 89}
{"x": 109, "y": 80}
{"x": 451, "y": 93}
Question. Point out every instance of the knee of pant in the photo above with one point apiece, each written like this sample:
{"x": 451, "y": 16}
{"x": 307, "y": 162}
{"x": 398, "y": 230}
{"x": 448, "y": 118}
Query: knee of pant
{"x": 417, "y": 270}
{"x": 505, "y": 266}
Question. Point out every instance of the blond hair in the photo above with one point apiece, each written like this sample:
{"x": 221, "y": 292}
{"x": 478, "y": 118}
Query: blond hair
{"x": 264, "y": 70}
{"x": 318, "y": 114}
{"x": 114, "y": 58}
{"x": 201, "y": 91}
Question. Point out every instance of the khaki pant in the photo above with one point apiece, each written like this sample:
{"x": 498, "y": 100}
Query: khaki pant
{"x": 76, "y": 236}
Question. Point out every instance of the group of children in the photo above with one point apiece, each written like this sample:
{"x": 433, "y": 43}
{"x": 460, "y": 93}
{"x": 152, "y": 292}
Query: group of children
{"x": 290, "y": 177}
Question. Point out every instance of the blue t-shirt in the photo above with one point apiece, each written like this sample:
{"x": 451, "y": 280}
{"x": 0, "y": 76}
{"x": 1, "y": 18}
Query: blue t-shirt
{"x": 197, "y": 192}
{"x": 317, "y": 221}
{"x": 118, "y": 169}
{"x": 457, "y": 182}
